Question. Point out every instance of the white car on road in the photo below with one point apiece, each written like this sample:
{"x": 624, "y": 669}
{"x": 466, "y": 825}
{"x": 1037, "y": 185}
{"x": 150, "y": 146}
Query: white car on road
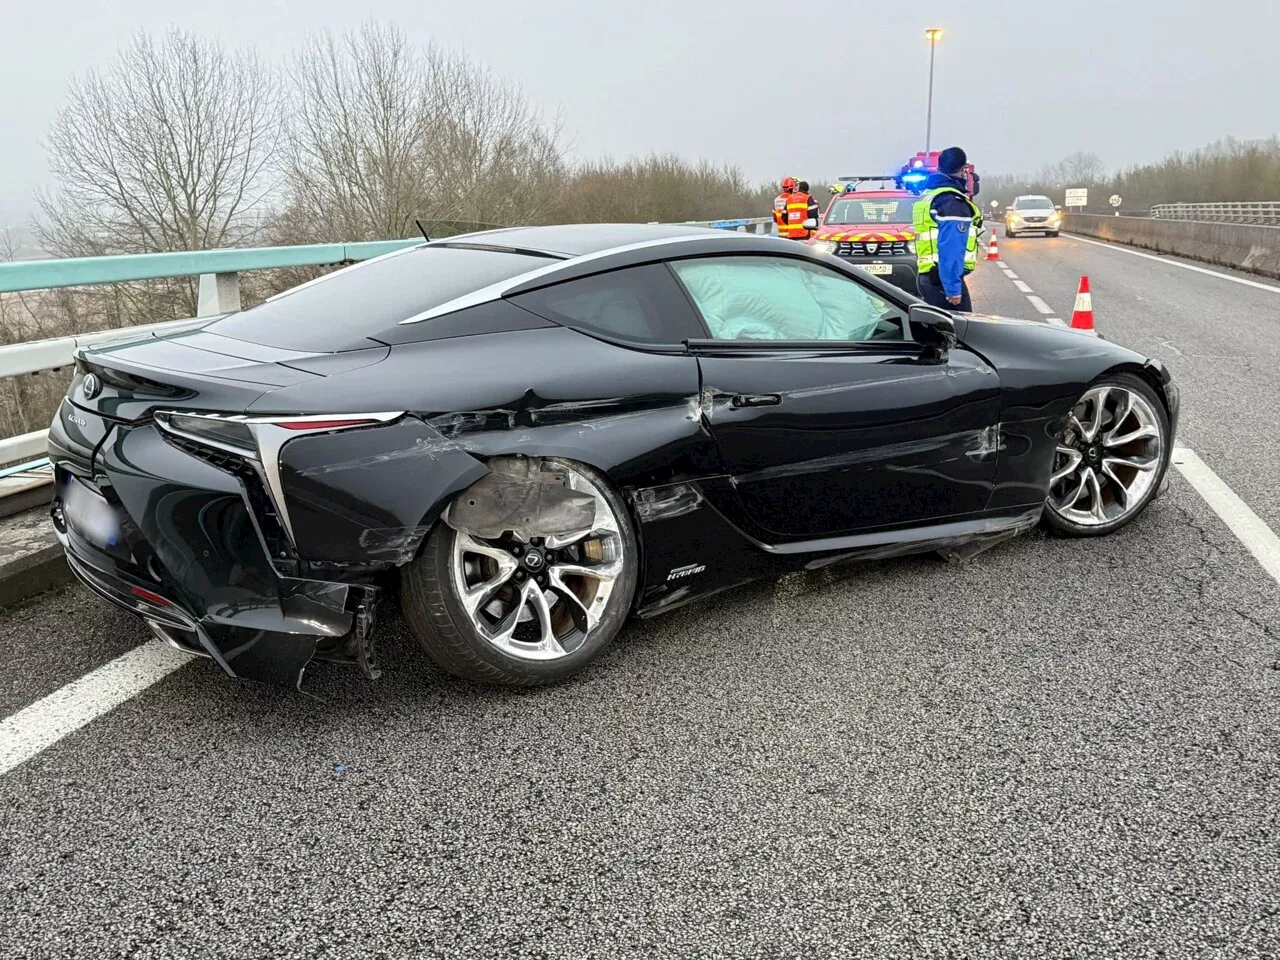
{"x": 1029, "y": 214}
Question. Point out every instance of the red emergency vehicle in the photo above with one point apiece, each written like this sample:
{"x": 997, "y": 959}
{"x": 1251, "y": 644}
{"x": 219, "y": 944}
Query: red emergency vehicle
{"x": 869, "y": 224}
{"x": 869, "y": 221}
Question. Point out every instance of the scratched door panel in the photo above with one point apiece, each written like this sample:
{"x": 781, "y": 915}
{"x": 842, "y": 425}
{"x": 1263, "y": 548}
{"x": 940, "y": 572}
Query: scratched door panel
{"x": 856, "y": 442}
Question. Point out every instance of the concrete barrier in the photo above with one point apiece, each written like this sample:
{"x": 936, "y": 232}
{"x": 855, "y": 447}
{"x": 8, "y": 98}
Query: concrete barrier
{"x": 1244, "y": 246}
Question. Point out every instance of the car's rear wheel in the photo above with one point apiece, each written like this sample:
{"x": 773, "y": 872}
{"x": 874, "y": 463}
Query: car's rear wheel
{"x": 1112, "y": 455}
{"x": 524, "y": 609}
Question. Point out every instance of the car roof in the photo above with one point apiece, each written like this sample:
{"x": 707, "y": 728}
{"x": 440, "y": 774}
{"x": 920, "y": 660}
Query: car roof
{"x": 1030, "y": 196}
{"x": 578, "y": 239}
{"x": 611, "y": 250}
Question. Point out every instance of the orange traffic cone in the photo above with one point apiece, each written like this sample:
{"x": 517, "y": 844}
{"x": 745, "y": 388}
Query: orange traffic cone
{"x": 993, "y": 251}
{"x": 1082, "y": 315}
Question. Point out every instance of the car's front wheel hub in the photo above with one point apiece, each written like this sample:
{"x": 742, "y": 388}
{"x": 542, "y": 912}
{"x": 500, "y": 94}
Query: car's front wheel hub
{"x": 1108, "y": 457}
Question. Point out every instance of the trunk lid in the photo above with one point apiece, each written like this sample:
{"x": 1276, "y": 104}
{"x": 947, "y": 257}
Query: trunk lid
{"x": 127, "y": 381}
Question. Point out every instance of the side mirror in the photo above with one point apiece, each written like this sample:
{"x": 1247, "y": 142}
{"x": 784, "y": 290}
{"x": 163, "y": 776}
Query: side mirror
{"x": 810, "y": 224}
{"x": 932, "y": 327}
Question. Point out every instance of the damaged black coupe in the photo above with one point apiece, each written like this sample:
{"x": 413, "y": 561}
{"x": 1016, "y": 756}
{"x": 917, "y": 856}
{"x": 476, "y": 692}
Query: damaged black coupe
{"x": 539, "y": 432}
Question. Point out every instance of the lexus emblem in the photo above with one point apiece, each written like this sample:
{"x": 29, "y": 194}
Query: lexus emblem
{"x": 91, "y": 386}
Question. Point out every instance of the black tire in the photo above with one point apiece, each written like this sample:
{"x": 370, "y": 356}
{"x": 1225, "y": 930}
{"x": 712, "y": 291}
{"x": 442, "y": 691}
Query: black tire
{"x": 445, "y": 631}
{"x": 1009, "y": 234}
{"x": 1054, "y": 234}
{"x": 1064, "y": 527}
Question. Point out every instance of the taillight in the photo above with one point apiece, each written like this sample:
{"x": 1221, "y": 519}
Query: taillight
{"x": 224, "y": 433}
{"x": 237, "y": 433}
{"x": 323, "y": 424}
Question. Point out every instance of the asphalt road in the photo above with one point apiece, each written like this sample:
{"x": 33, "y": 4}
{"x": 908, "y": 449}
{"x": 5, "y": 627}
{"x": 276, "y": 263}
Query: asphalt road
{"x": 1057, "y": 749}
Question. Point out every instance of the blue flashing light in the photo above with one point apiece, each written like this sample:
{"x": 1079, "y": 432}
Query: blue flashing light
{"x": 915, "y": 177}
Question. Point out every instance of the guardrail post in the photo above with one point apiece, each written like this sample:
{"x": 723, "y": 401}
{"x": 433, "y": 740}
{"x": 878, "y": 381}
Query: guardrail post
{"x": 219, "y": 294}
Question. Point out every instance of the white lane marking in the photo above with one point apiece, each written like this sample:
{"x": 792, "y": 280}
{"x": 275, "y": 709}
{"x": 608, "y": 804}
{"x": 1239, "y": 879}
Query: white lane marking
{"x": 1010, "y": 274}
{"x": 1057, "y": 321}
{"x": 1176, "y": 263}
{"x": 1021, "y": 285}
{"x": 35, "y": 728}
{"x": 1040, "y": 305}
{"x": 1250, "y": 529}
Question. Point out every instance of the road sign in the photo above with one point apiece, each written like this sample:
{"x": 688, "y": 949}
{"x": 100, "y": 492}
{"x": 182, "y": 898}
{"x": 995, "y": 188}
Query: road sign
{"x": 1115, "y": 200}
{"x": 1078, "y": 197}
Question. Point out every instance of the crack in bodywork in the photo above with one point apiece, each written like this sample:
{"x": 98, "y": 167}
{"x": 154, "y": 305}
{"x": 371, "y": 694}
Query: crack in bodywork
{"x": 666, "y": 502}
{"x": 431, "y": 449}
{"x": 397, "y": 545}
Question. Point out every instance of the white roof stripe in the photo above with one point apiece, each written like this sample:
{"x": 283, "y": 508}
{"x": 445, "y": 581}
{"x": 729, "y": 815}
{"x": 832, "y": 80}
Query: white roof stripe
{"x": 495, "y": 291}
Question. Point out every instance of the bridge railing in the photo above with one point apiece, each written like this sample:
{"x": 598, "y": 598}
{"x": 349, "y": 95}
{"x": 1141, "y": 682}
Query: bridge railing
{"x": 1262, "y": 211}
{"x": 219, "y": 293}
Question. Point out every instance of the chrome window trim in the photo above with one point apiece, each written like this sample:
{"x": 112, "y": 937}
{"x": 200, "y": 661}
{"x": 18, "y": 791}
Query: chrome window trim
{"x": 495, "y": 291}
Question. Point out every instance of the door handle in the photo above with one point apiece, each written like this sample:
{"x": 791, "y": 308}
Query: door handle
{"x": 756, "y": 399}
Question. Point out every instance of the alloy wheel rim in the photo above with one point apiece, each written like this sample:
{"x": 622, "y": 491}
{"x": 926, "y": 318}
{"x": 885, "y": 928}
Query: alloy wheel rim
{"x": 1108, "y": 457}
{"x": 541, "y": 598}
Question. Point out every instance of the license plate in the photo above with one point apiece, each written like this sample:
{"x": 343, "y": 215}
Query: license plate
{"x": 880, "y": 269}
{"x": 90, "y": 515}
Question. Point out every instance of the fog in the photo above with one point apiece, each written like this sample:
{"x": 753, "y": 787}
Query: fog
{"x": 842, "y": 90}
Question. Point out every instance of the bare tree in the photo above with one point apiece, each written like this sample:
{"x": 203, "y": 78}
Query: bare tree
{"x": 497, "y": 159}
{"x": 1082, "y": 169}
{"x": 661, "y": 188}
{"x": 384, "y": 132}
{"x": 359, "y": 119}
{"x": 171, "y": 148}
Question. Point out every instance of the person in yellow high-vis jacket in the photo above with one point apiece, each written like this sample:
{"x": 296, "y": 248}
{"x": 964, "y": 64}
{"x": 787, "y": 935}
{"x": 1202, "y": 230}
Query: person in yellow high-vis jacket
{"x": 947, "y": 223}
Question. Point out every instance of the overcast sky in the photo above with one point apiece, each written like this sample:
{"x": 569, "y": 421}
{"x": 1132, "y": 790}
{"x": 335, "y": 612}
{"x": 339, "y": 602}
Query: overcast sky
{"x": 1019, "y": 82}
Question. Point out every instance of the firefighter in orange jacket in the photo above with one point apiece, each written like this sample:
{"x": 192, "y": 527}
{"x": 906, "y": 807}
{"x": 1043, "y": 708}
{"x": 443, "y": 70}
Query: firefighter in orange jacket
{"x": 800, "y": 206}
{"x": 780, "y": 205}
{"x": 811, "y": 211}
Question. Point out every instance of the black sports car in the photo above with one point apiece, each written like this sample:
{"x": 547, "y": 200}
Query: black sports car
{"x": 542, "y": 431}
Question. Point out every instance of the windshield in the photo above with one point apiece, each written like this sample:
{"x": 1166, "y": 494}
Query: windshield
{"x": 1034, "y": 203}
{"x": 882, "y": 210}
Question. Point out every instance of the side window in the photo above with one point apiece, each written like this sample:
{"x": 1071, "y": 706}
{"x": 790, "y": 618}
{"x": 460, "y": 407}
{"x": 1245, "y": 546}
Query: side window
{"x": 641, "y": 304}
{"x": 778, "y": 298}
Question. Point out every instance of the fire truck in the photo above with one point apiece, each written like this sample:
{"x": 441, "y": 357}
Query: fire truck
{"x": 869, "y": 220}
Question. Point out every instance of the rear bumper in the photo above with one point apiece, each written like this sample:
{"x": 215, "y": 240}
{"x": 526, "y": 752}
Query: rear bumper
{"x": 174, "y": 541}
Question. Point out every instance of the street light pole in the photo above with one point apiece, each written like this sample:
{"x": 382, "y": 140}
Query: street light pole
{"x": 933, "y": 35}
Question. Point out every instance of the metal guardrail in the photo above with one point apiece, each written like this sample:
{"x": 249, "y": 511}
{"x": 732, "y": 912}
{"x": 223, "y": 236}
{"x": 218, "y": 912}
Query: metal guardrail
{"x": 1262, "y": 211}
{"x": 87, "y": 271}
{"x": 219, "y": 272}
